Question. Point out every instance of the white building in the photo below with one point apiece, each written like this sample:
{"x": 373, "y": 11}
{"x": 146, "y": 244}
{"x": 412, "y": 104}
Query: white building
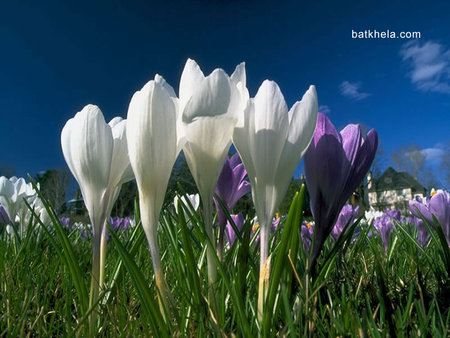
{"x": 393, "y": 190}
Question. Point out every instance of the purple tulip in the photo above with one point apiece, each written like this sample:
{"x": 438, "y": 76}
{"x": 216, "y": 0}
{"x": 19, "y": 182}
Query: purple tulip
{"x": 385, "y": 227}
{"x": 348, "y": 215}
{"x": 231, "y": 234}
{"x": 335, "y": 165}
{"x": 231, "y": 186}
{"x": 437, "y": 205}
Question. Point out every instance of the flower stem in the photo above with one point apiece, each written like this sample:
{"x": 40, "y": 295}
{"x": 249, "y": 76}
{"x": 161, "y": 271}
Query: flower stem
{"x": 150, "y": 221}
{"x": 212, "y": 268}
{"x": 264, "y": 267}
{"x": 103, "y": 255}
{"x": 95, "y": 277}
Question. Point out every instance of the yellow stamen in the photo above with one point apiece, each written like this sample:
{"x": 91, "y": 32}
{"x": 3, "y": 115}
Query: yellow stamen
{"x": 433, "y": 192}
{"x": 309, "y": 224}
{"x": 277, "y": 215}
{"x": 255, "y": 227}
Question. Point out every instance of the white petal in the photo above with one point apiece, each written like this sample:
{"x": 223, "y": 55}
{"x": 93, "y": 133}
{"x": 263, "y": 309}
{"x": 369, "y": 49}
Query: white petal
{"x": 191, "y": 78}
{"x": 211, "y": 97}
{"x": 271, "y": 128}
{"x": 163, "y": 83}
{"x": 87, "y": 147}
{"x": 239, "y": 75}
{"x": 303, "y": 120}
{"x": 151, "y": 136}
{"x": 121, "y": 170}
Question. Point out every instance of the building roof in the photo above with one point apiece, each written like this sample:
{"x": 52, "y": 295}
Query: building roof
{"x": 393, "y": 180}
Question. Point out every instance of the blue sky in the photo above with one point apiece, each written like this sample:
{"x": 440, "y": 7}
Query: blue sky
{"x": 57, "y": 56}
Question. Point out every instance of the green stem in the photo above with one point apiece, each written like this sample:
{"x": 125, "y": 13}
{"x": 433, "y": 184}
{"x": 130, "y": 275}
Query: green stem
{"x": 264, "y": 267}
{"x": 150, "y": 222}
{"x": 95, "y": 277}
{"x": 103, "y": 255}
{"x": 212, "y": 268}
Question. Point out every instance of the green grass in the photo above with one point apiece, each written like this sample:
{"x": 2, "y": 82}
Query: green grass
{"x": 361, "y": 290}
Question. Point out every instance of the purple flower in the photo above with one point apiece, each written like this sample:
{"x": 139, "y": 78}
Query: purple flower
{"x": 438, "y": 205}
{"x": 335, "y": 165}
{"x": 4, "y": 219}
{"x": 384, "y": 226}
{"x": 423, "y": 236}
{"x": 307, "y": 232}
{"x": 347, "y": 215}
{"x": 275, "y": 223}
{"x": 395, "y": 214}
{"x": 231, "y": 186}
{"x": 65, "y": 223}
{"x": 231, "y": 234}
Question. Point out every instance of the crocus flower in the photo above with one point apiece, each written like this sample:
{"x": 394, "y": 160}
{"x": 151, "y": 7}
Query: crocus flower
{"x": 438, "y": 205}
{"x": 65, "y": 223}
{"x": 13, "y": 192}
{"x": 255, "y": 226}
{"x": 385, "y": 227}
{"x": 96, "y": 153}
{"x": 271, "y": 141}
{"x": 423, "y": 236}
{"x": 346, "y": 217}
{"x": 335, "y": 165}
{"x": 210, "y": 109}
{"x": 4, "y": 218}
{"x": 395, "y": 214}
{"x": 231, "y": 234}
{"x": 231, "y": 186}
{"x": 307, "y": 233}
{"x": 194, "y": 200}
{"x": 370, "y": 215}
{"x": 154, "y": 143}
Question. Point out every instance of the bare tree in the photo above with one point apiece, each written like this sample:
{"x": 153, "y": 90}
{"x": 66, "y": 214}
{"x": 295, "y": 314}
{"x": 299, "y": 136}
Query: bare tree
{"x": 379, "y": 163}
{"x": 445, "y": 164}
{"x": 410, "y": 159}
{"x": 53, "y": 185}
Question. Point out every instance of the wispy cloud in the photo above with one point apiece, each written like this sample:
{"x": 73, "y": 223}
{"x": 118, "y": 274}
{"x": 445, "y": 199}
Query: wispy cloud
{"x": 352, "y": 90}
{"x": 324, "y": 109}
{"x": 433, "y": 155}
{"x": 428, "y": 65}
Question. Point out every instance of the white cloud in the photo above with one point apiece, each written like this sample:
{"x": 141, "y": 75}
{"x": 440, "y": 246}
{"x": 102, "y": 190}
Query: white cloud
{"x": 428, "y": 65}
{"x": 324, "y": 109}
{"x": 352, "y": 90}
{"x": 433, "y": 155}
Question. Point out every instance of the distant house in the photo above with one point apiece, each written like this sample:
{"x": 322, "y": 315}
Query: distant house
{"x": 393, "y": 190}
{"x": 76, "y": 207}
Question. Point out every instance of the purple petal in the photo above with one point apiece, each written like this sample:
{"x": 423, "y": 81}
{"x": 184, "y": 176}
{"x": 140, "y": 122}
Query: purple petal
{"x": 231, "y": 234}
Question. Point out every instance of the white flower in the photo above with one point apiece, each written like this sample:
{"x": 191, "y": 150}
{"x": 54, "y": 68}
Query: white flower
{"x": 271, "y": 141}
{"x": 96, "y": 154}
